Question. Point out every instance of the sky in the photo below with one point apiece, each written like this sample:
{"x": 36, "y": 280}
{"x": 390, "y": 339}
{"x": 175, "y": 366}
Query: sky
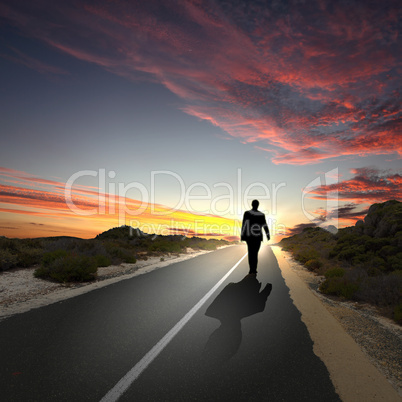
{"x": 171, "y": 116}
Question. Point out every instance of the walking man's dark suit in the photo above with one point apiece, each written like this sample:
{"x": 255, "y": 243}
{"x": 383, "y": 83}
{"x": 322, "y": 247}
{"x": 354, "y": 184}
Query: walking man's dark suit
{"x": 251, "y": 232}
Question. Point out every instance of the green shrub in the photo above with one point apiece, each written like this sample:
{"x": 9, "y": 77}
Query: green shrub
{"x": 28, "y": 257}
{"x": 377, "y": 262}
{"x": 331, "y": 286}
{"x": 394, "y": 263}
{"x": 384, "y": 290}
{"x": 373, "y": 271}
{"x": 165, "y": 246}
{"x": 313, "y": 265}
{"x": 306, "y": 254}
{"x": 9, "y": 244}
{"x": 63, "y": 267}
{"x": 388, "y": 250}
{"x": 398, "y": 313}
{"x": 125, "y": 256}
{"x": 120, "y": 253}
{"x": 349, "y": 289}
{"x": 335, "y": 273}
{"x": 361, "y": 259}
{"x": 339, "y": 287}
{"x": 348, "y": 253}
{"x": 205, "y": 245}
{"x": 102, "y": 260}
{"x": 7, "y": 259}
{"x": 129, "y": 259}
{"x": 50, "y": 257}
{"x": 376, "y": 244}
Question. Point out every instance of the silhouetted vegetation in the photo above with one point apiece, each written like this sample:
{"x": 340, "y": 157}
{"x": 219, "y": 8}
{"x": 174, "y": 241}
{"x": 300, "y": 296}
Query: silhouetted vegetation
{"x": 70, "y": 259}
{"x": 362, "y": 262}
{"x": 20, "y": 252}
{"x": 63, "y": 266}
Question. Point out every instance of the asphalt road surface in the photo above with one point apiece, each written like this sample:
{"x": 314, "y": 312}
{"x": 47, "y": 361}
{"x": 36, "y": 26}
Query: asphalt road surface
{"x": 245, "y": 343}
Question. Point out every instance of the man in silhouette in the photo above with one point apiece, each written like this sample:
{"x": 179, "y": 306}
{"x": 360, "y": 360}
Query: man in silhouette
{"x": 251, "y": 232}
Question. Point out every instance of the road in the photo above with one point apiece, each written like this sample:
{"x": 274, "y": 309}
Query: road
{"x": 250, "y": 346}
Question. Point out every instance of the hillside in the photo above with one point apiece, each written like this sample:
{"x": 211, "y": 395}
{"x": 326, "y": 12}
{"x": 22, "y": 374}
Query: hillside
{"x": 361, "y": 262}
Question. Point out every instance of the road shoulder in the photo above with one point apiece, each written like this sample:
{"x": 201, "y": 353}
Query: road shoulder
{"x": 353, "y": 375}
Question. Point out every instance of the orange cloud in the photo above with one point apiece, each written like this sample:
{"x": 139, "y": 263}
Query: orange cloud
{"x": 50, "y": 206}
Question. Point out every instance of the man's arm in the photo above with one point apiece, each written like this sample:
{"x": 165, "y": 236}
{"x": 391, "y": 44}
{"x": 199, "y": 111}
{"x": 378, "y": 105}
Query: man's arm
{"x": 244, "y": 226}
{"x": 265, "y": 226}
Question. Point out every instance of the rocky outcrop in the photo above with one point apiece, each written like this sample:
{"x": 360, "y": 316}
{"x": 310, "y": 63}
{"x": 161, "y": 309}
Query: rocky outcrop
{"x": 383, "y": 220}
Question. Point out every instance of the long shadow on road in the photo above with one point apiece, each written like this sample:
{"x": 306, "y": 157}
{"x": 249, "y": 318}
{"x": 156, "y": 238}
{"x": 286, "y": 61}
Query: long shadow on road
{"x": 236, "y": 301}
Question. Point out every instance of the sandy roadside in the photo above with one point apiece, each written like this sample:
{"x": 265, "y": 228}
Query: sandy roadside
{"x": 353, "y": 371}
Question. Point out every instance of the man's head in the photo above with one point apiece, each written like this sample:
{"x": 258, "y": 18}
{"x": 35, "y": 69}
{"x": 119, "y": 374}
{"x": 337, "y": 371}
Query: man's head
{"x": 255, "y": 204}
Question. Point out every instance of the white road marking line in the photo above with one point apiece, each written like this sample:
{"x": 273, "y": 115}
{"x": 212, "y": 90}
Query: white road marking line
{"x": 117, "y": 391}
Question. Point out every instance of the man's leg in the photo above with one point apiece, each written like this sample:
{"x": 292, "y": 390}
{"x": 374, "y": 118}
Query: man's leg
{"x": 253, "y": 248}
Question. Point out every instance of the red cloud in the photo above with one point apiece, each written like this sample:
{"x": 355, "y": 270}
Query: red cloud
{"x": 368, "y": 185}
{"x": 26, "y": 179}
{"x": 299, "y": 228}
{"x": 347, "y": 215}
{"x": 41, "y": 199}
{"x": 305, "y": 81}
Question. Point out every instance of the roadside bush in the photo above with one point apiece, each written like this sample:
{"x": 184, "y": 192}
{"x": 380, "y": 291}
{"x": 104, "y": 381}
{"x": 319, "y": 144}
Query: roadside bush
{"x": 394, "y": 263}
{"x": 382, "y": 291}
{"x": 8, "y": 244}
{"x": 377, "y": 262}
{"x": 7, "y": 259}
{"x": 365, "y": 259}
{"x": 306, "y": 254}
{"x": 313, "y": 265}
{"x": 62, "y": 243}
{"x": 50, "y": 257}
{"x": 205, "y": 245}
{"x": 28, "y": 257}
{"x": 373, "y": 271}
{"x": 102, "y": 260}
{"x": 398, "y": 313}
{"x": 339, "y": 287}
{"x": 387, "y": 251}
{"x": 19, "y": 253}
{"x": 348, "y": 253}
{"x": 360, "y": 259}
{"x": 121, "y": 254}
{"x": 165, "y": 246}
{"x": 376, "y": 244}
{"x": 335, "y": 273}
{"x": 63, "y": 267}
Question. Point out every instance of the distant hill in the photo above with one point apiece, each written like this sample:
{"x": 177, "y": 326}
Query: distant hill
{"x": 361, "y": 262}
{"x": 66, "y": 259}
{"x": 121, "y": 232}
